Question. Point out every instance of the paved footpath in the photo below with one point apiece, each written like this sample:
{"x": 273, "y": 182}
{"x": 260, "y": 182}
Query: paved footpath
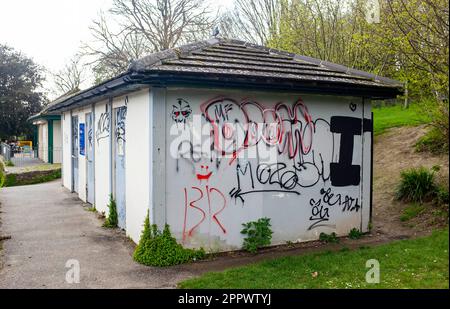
{"x": 49, "y": 226}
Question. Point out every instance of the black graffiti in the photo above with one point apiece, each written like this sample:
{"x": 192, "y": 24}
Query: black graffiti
{"x": 103, "y": 126}
{"x": 320, "y": 208}
{"x": 90, "y": 136}
{"x": 238, "y": 193}
{"x": 120, "y": 125}
{"x": 344, "y": 173}
{"x": 276, "y": 174}
{"x": 181, "y": 111}
{"x": 348, "y": 203}
{"x": 319, "y": 214}
{"x": 192, "y": 155}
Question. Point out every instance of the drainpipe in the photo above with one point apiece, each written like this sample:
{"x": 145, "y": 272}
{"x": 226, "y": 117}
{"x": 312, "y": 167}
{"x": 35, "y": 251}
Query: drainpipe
{"x": 110, "y": 103}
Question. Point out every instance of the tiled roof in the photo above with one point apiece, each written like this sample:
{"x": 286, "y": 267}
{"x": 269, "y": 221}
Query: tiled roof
{"x": 219, "y": 62}
{"x": 222, "y": 57}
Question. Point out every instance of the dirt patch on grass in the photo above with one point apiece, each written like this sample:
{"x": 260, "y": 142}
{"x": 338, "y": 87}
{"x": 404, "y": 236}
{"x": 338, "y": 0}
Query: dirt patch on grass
{"x": 394, "y": 152}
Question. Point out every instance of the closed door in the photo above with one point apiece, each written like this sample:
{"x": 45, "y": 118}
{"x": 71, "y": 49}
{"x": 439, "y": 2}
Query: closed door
{"x": 120, "y": 115}
{"x": 75, "y": 150}
{"x": 90, "y": 159}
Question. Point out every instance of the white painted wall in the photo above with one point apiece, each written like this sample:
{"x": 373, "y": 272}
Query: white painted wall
{"x": 209, "y": 213}
{"x": 137, "y": 161}
{"x": 57, "y": 141}
{"x": 67, "y": 156}
{"x": 292, "y": 193}
{"x": 43, "y": 141}
{"x": 102, "y": 156}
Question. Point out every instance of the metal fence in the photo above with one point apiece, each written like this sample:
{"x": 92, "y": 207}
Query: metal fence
{"x": 25, "y": 155}
{"x": 5, "y": 151}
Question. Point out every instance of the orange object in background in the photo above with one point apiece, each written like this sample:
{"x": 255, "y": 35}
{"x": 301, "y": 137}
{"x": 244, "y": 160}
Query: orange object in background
{"x": 25, "y": 143}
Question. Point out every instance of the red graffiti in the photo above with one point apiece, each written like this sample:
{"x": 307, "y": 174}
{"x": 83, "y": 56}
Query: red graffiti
{"x": 214, "y": 216}
{"x": 204, "y": 176}
{"x": 192, "y": 204}
{"x": 290, "y": 128}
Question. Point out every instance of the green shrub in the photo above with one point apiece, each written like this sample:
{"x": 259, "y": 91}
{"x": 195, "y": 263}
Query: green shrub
{"x": 442, "y": 197}
{"x": 2, "y": 174}
{"x": 434, "y": 141}
{"x": 438, "y": 112}
{"x": 30, "y": 178}
{"x": 258, "y": 234}
{"x": 112, "y": 220}
{"x": 411, "y": 212}
{"x": 329, "y": 238}
{"x": 9, "y": 163}
{"x": 157, "y": 248}
{"x": 355, "y": 234}
{"x": 417, "y": 185}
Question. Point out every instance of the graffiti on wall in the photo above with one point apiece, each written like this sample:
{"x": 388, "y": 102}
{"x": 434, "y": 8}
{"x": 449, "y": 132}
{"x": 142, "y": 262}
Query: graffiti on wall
{"x": 121, "y": 116}
{"x": 103, "y": 124}
{"x": 205, "y": 194}
{"x": 181, "y": 111}
{"x": 280, "y": 149}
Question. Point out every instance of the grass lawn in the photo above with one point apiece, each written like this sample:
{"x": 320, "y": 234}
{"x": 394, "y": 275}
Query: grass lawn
{"x": 418, "y": 263}
{"x": 397, "y": 116}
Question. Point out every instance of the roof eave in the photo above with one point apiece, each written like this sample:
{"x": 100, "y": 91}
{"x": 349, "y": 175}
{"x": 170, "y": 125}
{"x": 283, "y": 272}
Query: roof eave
{"x": 137, "y": 80}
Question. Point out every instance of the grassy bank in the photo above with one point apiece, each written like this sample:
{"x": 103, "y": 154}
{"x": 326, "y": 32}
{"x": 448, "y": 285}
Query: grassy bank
{"x": 30, "y": 178}
{"x": 418, "y": 263}
{"x": 396, "y": 116}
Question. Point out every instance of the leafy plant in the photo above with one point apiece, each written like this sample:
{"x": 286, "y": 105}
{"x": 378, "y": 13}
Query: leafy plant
{"x": 258, "y": 234}
{"x": 411, "y": 212}
{"x": 9, "y": 163}
{"x": 434, "y": 141}
{"x": 157, "y": 248}
{"x": 112, "y": 220}
{"x": 355, "y": 234}
{"x": 417, "y": 184}
{"x": 2, "y": 174}
{"x": 442, "y": 196}
{"x": 329, "y": 238}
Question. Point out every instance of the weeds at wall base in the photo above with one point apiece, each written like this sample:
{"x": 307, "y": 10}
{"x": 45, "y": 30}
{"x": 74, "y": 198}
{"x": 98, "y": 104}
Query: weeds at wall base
{"x": 160, "y": 249}
{"x": 112, "y": 219}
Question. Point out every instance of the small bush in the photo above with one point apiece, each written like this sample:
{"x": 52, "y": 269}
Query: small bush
{"x": 355, "y": 234}
{"x": 9, "y": 163}
{"x": 442, "y": 196}
{"x": 434, "y": 141}
{"x": 438, "y": 113}
{"x": 157, "y": 248}
{"x": 417, "y": 185}
{"x": 411, "y": 212}
{"x": 2, "y": 174}
{"x": 329, "y": 238}
{"x": 258, "y": 234}
{"x": 112, "y": 220}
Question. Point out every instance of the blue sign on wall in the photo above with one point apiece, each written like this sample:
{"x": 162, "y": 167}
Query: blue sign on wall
{"x": 82, "y": 147}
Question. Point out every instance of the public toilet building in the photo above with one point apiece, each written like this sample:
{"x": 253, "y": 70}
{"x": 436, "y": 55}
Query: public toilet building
{"x": 211, "y": 135}
{"x": 48, "y": 138}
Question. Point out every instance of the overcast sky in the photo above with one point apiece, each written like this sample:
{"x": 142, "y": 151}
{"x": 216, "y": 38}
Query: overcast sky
{"x": 50, "y": 31}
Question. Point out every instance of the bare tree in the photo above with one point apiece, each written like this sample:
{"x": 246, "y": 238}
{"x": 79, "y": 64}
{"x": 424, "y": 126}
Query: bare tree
{"x": 70, "y": 78}
{"x": 112, "y": 51}
{"x": 252, "y": 20}
{"x": 133, "y": 28}
{"x": 166, "y": 23}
